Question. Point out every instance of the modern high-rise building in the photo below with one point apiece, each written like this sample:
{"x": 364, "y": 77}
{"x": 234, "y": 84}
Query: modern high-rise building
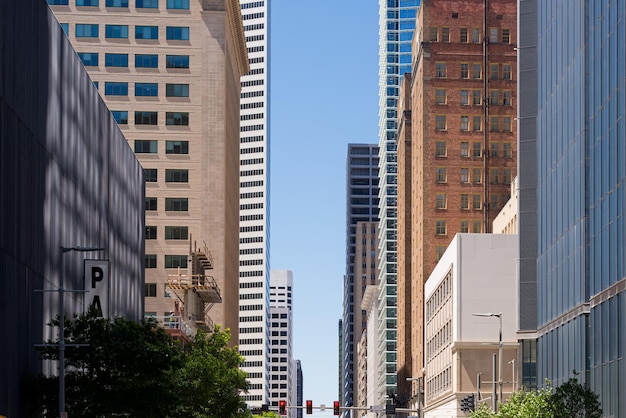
{"x": 361, "y": 206}
{"x": 282, "y": 372}
{"x": 69, "y": 184}
{"x": 299, "y": 387}
{"x": 575, "y": 156}
{"x": 169, "y": 71}
{"x": 396, "y": 26}
{"x": 463, "y": 144}
{"x": 254, "y": 202}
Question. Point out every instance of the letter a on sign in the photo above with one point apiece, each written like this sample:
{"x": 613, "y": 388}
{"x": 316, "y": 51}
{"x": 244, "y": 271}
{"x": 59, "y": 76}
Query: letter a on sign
{"x": 97, "y": 286}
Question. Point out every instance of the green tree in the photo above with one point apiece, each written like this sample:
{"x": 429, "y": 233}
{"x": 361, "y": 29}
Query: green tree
{"x": 573, "y": 400}
{"x": 522, "y": 404}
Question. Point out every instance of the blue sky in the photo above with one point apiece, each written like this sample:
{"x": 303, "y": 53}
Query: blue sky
{"x": 324, "y": 95}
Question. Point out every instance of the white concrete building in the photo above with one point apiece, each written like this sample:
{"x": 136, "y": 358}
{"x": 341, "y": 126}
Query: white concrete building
{"x": 506, "y": 221}
{"x": 476, "y": 275}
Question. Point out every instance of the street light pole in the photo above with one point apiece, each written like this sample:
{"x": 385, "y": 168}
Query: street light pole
{"x": 499, "y": 316}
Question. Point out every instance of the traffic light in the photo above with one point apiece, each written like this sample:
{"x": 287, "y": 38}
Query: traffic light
{"x": 471, "y": 405}
{"x": 309, "y": 407}
{"x": 336, "y": 408}
{"x": 282, "y": 407}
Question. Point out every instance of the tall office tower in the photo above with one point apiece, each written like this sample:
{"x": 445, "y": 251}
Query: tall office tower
{"x": 396, "y": 26}
{"x": 254, "y": 202}
{"x": 577, "y": 95}
{"x": 175, "y": 66}
{"x": 463, "y": 155}
{"x": 282, "y": 373}
{"x": 361, "y": 206}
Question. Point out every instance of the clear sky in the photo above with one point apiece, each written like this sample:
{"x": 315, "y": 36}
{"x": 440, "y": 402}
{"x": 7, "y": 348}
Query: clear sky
{"x": 324, "y": 95}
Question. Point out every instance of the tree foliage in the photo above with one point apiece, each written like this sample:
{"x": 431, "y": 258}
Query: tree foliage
{"x": 126, "y": 368}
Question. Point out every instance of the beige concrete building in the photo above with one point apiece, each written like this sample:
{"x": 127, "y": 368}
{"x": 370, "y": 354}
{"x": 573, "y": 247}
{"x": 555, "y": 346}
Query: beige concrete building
{"x": 506, "y": 221}
{"x": 170, "y": 71}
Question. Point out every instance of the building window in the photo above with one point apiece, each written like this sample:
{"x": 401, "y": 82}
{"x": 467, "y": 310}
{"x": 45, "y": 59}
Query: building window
{"x": 145, "y": 118}
{"x": 440, "y": 122}
{"x": 151, "y": 232}
{"x": 495, "y": 202}
{"x": 464, "y": 175}
{"x": 506, "y": 71}
{"x": 463, "y": 37}
{"x": 506, "y": 176}
{"x": 147, "y": 4}
{"x": 116, "y": 60}
{"x": 506, "y": 150}
{"x": 150, "y": 175}
{"x": 175, "y": 261}
{"x": 150, "y": 260}
{"x": 166, "y": 293}
{"x": 146, "y": 61}
{"x": 177, "y": 118}
{"x": 477, "y": 71}
{"x": 145, "y": 146}
{"x": 146, "y": 89}
{"x": 464, "y": 201}
{"x": 439, "y": 250}
{"x": 177, "y": 33}
{"x": 493, "y": 35}
{"x": 445, "y": 34}
{"x": 494, "y": 123}
{"x": 117, "y": 3}
{"x": 433, "y": 33}
{"x": 506, "y": 36}
{"x": 494, "y": 71}
{"x": 177, "y": 204}
{"x": 464, "y": 97}
{"x": 476, "y": 35}
{"x": 477, "y": 149}
{"x": 477, "y": 124}
{"x": 441, "y": 70}
{"x": 176, "y": 176}
{"x": 495, "y": 148}
{"x": 66, "y": 28}
{"x": 464, "y": 70}
{"x": 178, "y": 4}
{"x": 151, "y": 203}
{"x": 465, "y": 149}
{"x": 506, "y": 98}
{"x": 494, "y": 98}
{"x": 177, "y": 90}
{"x": 115, "y": 89}
{"x": 476, "y": 175}
{"x": 440, "y": 201}
{"x": 440, "y": 149}
{"x": 440, "y": 227}
{"x": 177, "y": 147}
{"x": 177, "y": 232}
{"x": 58, "y": 2}
{"x": 146, "y": 32}
{"x": 116, "y": 31}
{"x": 464, "y": 123}
{"x": 441, "y": 175}
{"x": 89, "y": 59}
{"x": 93, "y": 3}
{"x": 440, "y": 96}
{"x": 177, "y": 61}
{"x": 477, "y": 202}
{"x": 120, "y": 116}
{"x": 464, "y": 226}
{"x": 150, "y": 290}
{"x": 477, "y": 227}
{"x": 477, "y": 97}
{"x": 494, "y": 176}
{"x": 86, "y": 31}
{"x": 506, "y": 124}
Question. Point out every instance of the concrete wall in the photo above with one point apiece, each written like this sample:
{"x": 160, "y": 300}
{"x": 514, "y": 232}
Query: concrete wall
{"x": 67, "y": 178}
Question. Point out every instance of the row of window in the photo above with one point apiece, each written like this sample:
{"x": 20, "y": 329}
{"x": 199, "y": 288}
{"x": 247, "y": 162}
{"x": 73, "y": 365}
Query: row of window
{"x": 474, "y": 71}
{"x": 172, "y": 204}
{"x": 151, "y": 118}
{"x": 496, "y": 123}
{"x": 150, "y": 291}
{"x": 171, "y": 261}
{"x": 171, "y": 232}
{"x": 150, "y": 146}
{"x": 473, "y": 35}
{"x": 441, "y": 202}
{"x": 171, "y": 175}
{"x": 139, "y": 4}
{"x": 496, "y": 175}
{"x": 117, "y": 88}
{"x": 91, "y": 59}
{"x": 475, "y": 97}
{"x": 496, "y": 149}
{"x": 92, "y": 30}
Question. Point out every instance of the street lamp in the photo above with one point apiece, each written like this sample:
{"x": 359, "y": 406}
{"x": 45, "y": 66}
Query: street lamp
{"x": 499, "y": 316}
{"x": 62, "y": 291}
{"x": 419, "y": 393}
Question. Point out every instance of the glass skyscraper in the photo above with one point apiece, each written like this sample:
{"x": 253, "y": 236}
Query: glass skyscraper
{"x": 396, "y": 26}
{"x": 579, "y": 153}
